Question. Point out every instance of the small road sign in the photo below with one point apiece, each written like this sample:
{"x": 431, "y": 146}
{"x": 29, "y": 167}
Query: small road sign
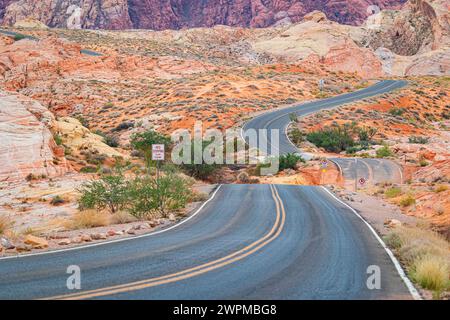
{"x": 321, "y": 84}
{"x": 362, "y": 181}
{"x": 158, "y": 152}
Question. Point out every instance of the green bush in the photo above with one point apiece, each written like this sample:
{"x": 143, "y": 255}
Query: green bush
{"x": 289, "y": 161}
{"x": 418, "y": 140}
{"x": 393, "y": 192}
{"x": 333, "y": 139}
{"x": 384, "y": 152}
{"x": 58, "y": 139}
{"x": 150, "y": 195}
{"x": 19, "y": 37}
{"x": 397, "y": 111}
{"x": 407, "y": 201}
{"x": 296, "y": 136}
{"x": 200, "y": 171}
{"x": 110, "y": 192}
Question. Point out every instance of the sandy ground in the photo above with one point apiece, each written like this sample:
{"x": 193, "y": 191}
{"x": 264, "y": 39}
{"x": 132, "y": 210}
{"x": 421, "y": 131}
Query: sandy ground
{"x": 375, "y": 211}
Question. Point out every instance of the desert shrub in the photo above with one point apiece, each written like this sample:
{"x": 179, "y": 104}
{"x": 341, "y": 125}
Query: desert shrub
{"x": 441, "y": 188}
{"x": 397, "y": 111}
{"x": 84, "y": 122}
{"x": 57, "y": 200}
{"x": 58, "y": 139}
{"x": 122, "y": 217}
{"x": 393, "y": 192}
{"x": 88, "y": 219}
{"x": 333, "y": 139}
{"x": 384, "y": 152}
{"x": 426, "y": 255}
{"x": 296, "y": 136}
{"x": 149, "y": 195}
{"x": 407, "y": 201}
{"x": 5, "y": 224}
{"x": 293, "y": 117}
{"x": 418, "y": 140}
{"x": 431, "y": 273}
{"x": 365, "y": 135}
{"x": 289, "y": 161}
{"x": 110, "y": 192}
{"x": 111, "y": 141}
{"x": 19, "y": 37}
{"x": 88, "y": 169}
{"x": 124, "y": 126}
{"x": 243, "y": 177}
{"x": 199, "y": 171}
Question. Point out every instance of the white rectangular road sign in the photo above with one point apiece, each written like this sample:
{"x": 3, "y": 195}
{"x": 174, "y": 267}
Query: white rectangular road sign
{"x": 158, "y": 152}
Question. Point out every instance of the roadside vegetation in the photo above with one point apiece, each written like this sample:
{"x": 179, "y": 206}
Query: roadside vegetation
{"x": 348, "y": 137}
{"x": 426, "y": 256}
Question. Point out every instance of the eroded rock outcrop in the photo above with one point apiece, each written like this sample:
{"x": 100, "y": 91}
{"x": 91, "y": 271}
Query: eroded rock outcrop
{"x": 177, "y": 14}
{"x": 27, "y": 147}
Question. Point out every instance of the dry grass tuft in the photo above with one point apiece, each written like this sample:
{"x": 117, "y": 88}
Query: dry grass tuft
{"x": 5, "y": 224}
{"x": 426, "y": 255}
{"x": 432, "y": 273}
{"x": 88, "y": 219}
{"x": 122, "y": 217}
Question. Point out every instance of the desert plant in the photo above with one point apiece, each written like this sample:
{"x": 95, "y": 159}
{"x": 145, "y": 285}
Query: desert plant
{"x": 150, "y": 195}
{"x": 426, "y": 255}
{"x": 200, "y": 170}
{"x": 407, "y": 201}
{"x": 289, "y": 161}
{"x": 58, "y": 139}
{"x": 384, "y": 152}
{"x": 431, "y": 273}
{"x": 441, "y": 188}
{"x": 57, "y": 200}
{"x": 393, "y": 192}
{"x": 88, "y": 219}
{"x": 293, "y": 117}
{"x": 109, "y": 192}
{"x": 5, "y": 224}
{"x": 333, "y": 139}
{"x": 296, "y": 136}
{"x": 418, "y": 140}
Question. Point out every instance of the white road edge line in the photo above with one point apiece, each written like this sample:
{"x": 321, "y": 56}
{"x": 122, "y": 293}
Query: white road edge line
{"x": 117, "y": 240}
{"x": 412, "y": 290}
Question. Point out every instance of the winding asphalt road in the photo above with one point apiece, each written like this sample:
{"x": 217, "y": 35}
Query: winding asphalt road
{"x": 375, "y": 170}
{"x": 248, "y": 242}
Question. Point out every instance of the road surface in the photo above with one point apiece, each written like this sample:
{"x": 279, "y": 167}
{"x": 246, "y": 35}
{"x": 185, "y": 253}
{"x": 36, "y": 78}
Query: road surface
{"x": 377, "y": 170}
{"x": 248, "y": 242}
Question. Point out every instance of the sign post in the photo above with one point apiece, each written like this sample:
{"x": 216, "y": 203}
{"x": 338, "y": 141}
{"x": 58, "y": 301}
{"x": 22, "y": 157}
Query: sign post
{"x": 321, "y": 84}
{"x": 158, "y": 155}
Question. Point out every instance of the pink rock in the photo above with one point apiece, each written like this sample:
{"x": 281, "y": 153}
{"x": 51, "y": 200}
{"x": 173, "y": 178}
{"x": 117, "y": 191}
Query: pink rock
{"x": 27, "y": 145}
{"x": 64, "y": 242}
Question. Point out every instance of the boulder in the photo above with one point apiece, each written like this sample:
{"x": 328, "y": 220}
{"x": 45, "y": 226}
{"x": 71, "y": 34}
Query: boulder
{"x": 64, "y": 242}
{"x": 7, "y": 244}
{"x": 36, "y": 242}
{"x": 86, "y": 238}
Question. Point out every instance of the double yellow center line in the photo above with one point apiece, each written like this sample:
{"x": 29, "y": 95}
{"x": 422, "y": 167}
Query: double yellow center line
{"x": 195, "y": 271}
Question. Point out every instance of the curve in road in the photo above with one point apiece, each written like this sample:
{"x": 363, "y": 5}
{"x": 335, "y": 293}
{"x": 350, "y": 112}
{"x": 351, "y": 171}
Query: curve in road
{"x": 379, "y": 170}
{"x": 249, "y": 242}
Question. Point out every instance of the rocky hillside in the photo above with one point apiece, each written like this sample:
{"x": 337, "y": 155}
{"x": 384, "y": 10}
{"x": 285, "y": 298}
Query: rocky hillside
{"x": 177, "y": 14}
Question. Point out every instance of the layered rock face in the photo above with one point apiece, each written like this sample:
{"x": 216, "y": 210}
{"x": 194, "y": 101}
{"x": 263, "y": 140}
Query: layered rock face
{"x": 73, "y": 14}
{"x": 27, "y": 144}
{"x": 177, "y": 14}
